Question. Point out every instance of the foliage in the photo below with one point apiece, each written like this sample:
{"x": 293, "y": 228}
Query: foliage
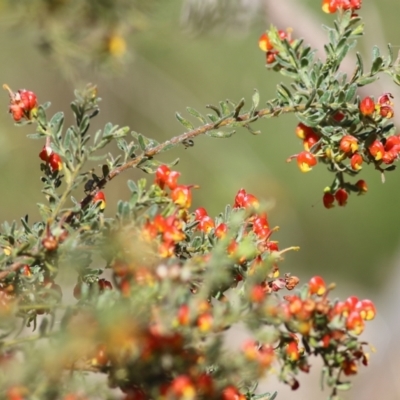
{"x": 158, "y": 285}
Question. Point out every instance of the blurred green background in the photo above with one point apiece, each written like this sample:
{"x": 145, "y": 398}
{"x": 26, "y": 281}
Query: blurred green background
{"x": 169, "y": 66}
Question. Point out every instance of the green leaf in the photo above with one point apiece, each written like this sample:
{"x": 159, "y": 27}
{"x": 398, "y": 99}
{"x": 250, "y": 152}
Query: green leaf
{"x": 168, "y": 147}
{"x": 196, "y": 114}
{"x": 36, "y": 135}
{"x": 376, "y": 65}
{"x": 84, "y": 125}
{"x": 390, "y": 55}
{"x": 351, "y": 91}
{"x": 220, "y": 134}
{"x": 67, "y": 175}
{"x": 41, "y": 116}
{"x": 255, "y": 98}
{"x": 284, "y": 92}
{"x": 396, "y": 79}
{"x": 366, "y": 80}
{"x": 375, "y": 53}
{"x": 184, "y": 122}
{"x": 108, "y": 129}
{"x": 132, "y": 186}
{"x": 225, "y": 108}
{"x": 24, "y": 222}
{"x": 97, "y": 136}
{"x": 213, "y": 118}
{"x": 67, "y": 138}
{"x": 121, "y": 132}
{"x": 150, "y": 166}
{"x": 46, "y": 105}
{"x": 141, "y": 141}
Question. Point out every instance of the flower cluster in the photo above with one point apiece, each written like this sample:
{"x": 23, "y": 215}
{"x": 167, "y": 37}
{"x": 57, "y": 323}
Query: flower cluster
{"x": 331, "y": 6}
{"x": 158, "y": 285}
{"x": 51, "y": 158}
{"x": 265, "y": 43}
{"x": 23, "y": 104}
{"x": 323, "y": 326}
{"x": 357, "y": 149}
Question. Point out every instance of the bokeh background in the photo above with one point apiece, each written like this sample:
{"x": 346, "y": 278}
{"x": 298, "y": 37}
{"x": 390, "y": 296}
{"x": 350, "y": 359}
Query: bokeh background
{"x": 154, "y": 60}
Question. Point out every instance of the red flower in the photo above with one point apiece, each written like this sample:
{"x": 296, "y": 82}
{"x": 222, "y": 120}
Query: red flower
{"x": 354, "y": 323}
{"x": 367, "y": 106}
{"x": 317, "y": 286}
{"x": 55, "y": 162}
{"x": 377, "y": 150}
{"x": 239, "y": 198}
{"x": 356, "y": 161}
{"x": 348, "y": 144}
{"x": 305, "y": 161}
{"x": 328, "y": 199}
{"x": 232, "y": 393}
{"x": 45, "y": 153}
{"x": 361, "y": 186}
{"x": 101, "y": 198}
{"x": 221, "y": 230}
{"x": 182, "y": 196}
{"x": 366, "y": 308}
{"x": 302, "y": 131}
{"x": 341, "y": 197}
{"x": 264, "y": 43}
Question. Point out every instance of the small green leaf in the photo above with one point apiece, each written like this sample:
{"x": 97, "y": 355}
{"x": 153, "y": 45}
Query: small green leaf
{"x": 366, "y": 80}
{"x": 196, "y": 114}
{"x": 24, "y": 222}
{"x": 184, "y": 122}
{"x": 121, "y": 132}
{"x": 67, "y": 138}
{"x": 36, "y": 135}
{"x": 215, "y": 109}
{"x": 168, "y": 147}
{"x": 149, "y": 166}
{"x": 108, "y": 129}
{"x": 225, "y": 108}
{"x": 220, "y": 134}
{"x": 41, "y": 116}
{"x": 84, "y": 125}
{"x": 212, "y": 117}
{"x": 396, "y": 79}
{"x": 256, "y": 98}
{"x": 376, "y": 65}
{"x": 375, "y": 53}
{"x": 351, "y": 91}
{"x": 141, "y": 141}
{"x": 132, "y": 186}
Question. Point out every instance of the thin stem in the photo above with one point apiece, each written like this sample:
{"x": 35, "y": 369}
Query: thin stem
{"x": 190, "y": 135}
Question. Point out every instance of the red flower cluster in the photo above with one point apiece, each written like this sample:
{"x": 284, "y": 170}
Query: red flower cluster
{"x": 23, "y": 103}
{"x": 265, "y": 44}
{"x": 331, "y": 6}
{"x": 181, "y": 195}
{"x": 382, "y": 108}
{"x": 51, "y": 158}
{"x": 262, "y": 355}
{"x": 206, "y": 223}
{"x": 168, "y": 229}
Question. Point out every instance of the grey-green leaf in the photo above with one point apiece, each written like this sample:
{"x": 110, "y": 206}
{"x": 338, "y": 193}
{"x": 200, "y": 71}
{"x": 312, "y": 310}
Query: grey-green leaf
{"x": 184, "y": 122}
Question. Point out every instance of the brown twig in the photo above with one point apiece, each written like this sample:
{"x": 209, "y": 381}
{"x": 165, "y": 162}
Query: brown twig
{"x": 182, "y": 138}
